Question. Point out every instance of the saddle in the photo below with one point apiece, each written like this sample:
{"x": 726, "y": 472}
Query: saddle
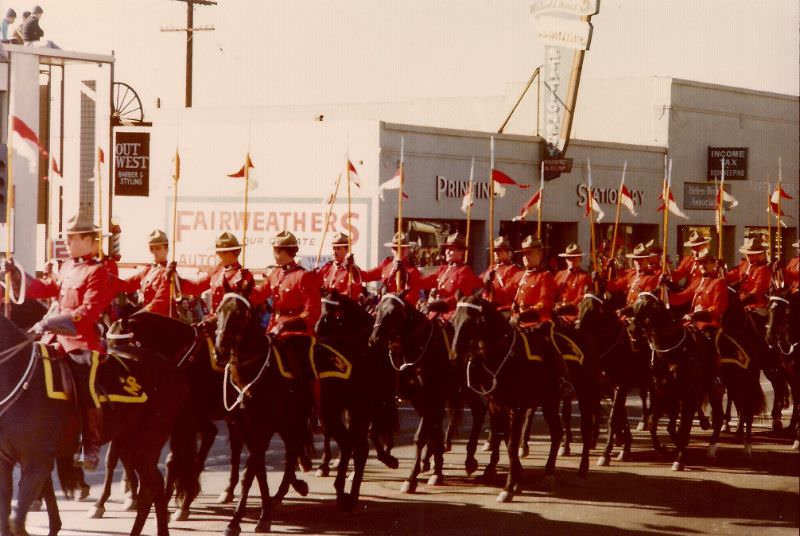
{"x": 324, "y": 360}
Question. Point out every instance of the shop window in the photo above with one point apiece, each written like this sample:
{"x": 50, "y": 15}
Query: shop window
{"x": 628, "y": 235}
{"x": 428, "y": 234}
{"x": 555, "y": 237}
{"x": 728, "y": 241}
{"x": 787, "y": 238}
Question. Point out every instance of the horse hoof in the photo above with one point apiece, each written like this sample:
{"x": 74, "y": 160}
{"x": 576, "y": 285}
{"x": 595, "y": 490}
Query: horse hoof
{"x": 301, "y": 487}
{"x": 35, "y": 506}
{"x": 487, "y": 446}
{"x": 796, "y": 445}
{"x": 389, "y": 461}
{"x": 323, "y": 471}
{"x": 641, "y": 427}
{"x": 748, "y": 450}
{"x": 549, "y": 482}
{"x": 448, "y": 446}
{"x": 17, "y": 527}
{"x": 130, "y": 504}
{"x": 85, "y": 491}
{"x": 263, "y": 527}
{"x": 435, "y": 480}
{"x": 505, "y": 497}
{"x": 179, "y": 515}
{"x": 351, "y": 476}
{"x": 233, "y": 531}
{"x": 471, "y": 465}
{"x": 225, "y": 497}
{"x": 96, "y": 512}
{"x": 677, "y": 466}
{"x": 712, "y": 452}
{"x": 603, "y": 461}
{"x": 622, "y": 456}
{"x": 777, "y": 424}
{"x": 408, "y": 486}
{"x": 524, "y": 451}
{"x": 563, "y": 450}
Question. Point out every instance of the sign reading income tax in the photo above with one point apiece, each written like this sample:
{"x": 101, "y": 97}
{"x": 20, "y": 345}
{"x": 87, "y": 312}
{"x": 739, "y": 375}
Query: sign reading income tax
{"x": 735, "y": 163}
{"x": 132, "y": 163}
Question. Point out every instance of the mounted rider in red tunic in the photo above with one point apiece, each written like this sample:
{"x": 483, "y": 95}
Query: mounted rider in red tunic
{"x": 752, "y": 276}
{"x": 571, "y": 283}
{"x": 340, "y": 273}
{"x": 451, "y": 280}
{"x": 500, "y": 280}
{"x": 151, "y": 282}
{"x": 532, "y": 307}
{"x": 643, "y": 278}
{"x": 689, "y": 268}
{"x": 82, "y": 289}
{"x": 396, "y": 268}
{"x": 791, "y": 274}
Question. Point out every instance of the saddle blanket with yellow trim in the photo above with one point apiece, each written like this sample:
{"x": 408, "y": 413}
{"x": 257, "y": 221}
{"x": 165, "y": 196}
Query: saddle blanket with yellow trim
{"x": 568, "y": 348}
{"x": 325, "y": 361}
{"x": 730, "y": 351}
{"x": 110, "y": 379}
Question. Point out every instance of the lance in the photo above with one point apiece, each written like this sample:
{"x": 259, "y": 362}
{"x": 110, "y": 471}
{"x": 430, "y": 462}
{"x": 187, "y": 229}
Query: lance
{"x": 721, "y": 212}
{"x": 349, "y": 217}
{"x": 328, "y": 218}
{"x": 491, "y": 201}
{"x": 399, "y": 277}
{"x": 778, "y": 230}
{"x": 172, "y": 283}
{"x": 100, "y": 203}
{"x": 247, "y": 165}
{"x": 590, "y": 202}
{"x": 469, "y": 206}
{"x": 769, "y": 223}
{"x": 541, "y": 201}
{"x": 9, "y": 233}
{"x": 666, "y": 194}
{"x": 616, "y": 220}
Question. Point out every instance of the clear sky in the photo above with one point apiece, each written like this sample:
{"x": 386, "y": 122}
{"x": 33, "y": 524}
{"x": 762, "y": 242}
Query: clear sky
{"x": 270, "y": 52}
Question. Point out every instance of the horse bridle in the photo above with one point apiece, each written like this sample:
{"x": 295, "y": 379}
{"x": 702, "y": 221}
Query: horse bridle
{"x": 406, "y": 364}
{"x": 496, "y": 372}
{"x": 780, "y": 344}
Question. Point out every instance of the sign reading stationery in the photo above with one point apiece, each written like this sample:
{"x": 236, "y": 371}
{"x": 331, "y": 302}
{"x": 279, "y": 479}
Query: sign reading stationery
{"x": 132, "y": 163}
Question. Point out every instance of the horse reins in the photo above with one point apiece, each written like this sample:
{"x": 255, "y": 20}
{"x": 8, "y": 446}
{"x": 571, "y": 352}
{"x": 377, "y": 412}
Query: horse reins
{"x": 21, "y": 385}
{"x": 779, "y": 344}
{"x": 243, "y": 391}
{"x": 494, "y": 374}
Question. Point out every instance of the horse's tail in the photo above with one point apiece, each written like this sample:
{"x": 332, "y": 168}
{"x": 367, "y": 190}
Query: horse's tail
{"x": 67, "y": 475}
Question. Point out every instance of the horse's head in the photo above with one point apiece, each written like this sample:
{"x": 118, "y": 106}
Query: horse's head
{"x": 341, "y": 316}
{"x": 234, "y": 318}
{"x": 471, "y": 323}
{"x": 647, "y": 315}
{"x": 391, "y": 316}
{"x": 780, "y": 309}
{"x": 591, "y": 311}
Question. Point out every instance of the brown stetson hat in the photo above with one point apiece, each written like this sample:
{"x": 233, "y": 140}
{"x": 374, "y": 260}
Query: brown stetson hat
{"x": 501, "y": 242}
{"x": 80, "y": 223}
{"x": 157, "y": 238}
{"x": 639, "y": 252}
{"x": 455, "y": 241}
{"x": 696, "y": 239}
{"x": 530, "y": 243}
{"x": 340, "y": 239}
{"x": 752, "y": 245}
{"x": 398, "y": 241}
{"x": 227, "y": 242}
{"x": 284, "y": 239}
{"x": 573, "y": 250}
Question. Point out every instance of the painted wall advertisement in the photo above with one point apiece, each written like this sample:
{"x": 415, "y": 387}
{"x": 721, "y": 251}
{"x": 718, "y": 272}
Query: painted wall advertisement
{"x": 132, "y": 163}
{"x": 200, "y": 220}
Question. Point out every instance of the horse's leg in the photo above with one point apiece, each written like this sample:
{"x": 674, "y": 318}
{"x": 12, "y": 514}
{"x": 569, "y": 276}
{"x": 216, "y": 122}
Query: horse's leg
{"x": 716, "y": 425}
{"x": 133, "y": 487}
{"x": 324, "y": 468}
{"x": 53, "y": 517}
{"x": 32, "y": 478}
{"x": 726, "y": 419}
{"x": 688, "y": 407}
{"x": 527, "y": 430}
{"x": 98, "y": 510}
{"x": 646, "y": 408}
{"x": 436, "y": 440}
{"x": 553, "y": 420}
{"x": 774, "y": 374}
{"x": 235, "y": 440}
{"x": 152, "y": 477}
{"x": 497, "y": 430}
{"x": 566, "y": 421}
{"x": 410, "y": 485}
{"x": 333, "y": 423}
{"x": 478, "y": 410}
{"x": 517, "y": 421}
{"x": 234, "y": 527}
{"x": 264, "y": 524}
{"x": 6, "y": 494}
{"x": 360, "y": 448}
{"x": 586, "y": 405}
{"x": 382, "y": 450}
{"x": 614, "y": 416}
{"x": 145, "y": 502}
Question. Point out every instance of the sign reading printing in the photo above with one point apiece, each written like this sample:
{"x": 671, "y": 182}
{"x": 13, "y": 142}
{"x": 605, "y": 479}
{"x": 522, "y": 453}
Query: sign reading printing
{"x": 579, "y": 8}
{"x": 703, "y": 196}
{"x": 565, "y": 33}
{"x": 735, "y": 163}
{"x": 200, "y": 220}
{"x": 132, "y": 163}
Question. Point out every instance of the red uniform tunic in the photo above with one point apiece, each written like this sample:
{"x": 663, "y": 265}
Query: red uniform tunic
{"x": 791, "y": 274}
{"x": 295, "y": 295}
{"x": 705, "y": 294}
{"x": 449, "y": 279}
{"x": 111, "y": 265}
{"x": 572, "y": 285}
{"x": 633, "y": 283}
{"x": 82, "y": 288}
{"x": 536, "y": 291}
{"x": 334, "y": 276}
{"x": 687, "y": 268}
{"x": 754, "y": 279}
{"x": 504, "y": 284}
{"x": 236, "y": 276}
{"x": 153, "y": 287}
{"x": 383, "y": 272}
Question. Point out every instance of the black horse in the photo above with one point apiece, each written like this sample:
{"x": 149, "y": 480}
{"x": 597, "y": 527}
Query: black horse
{"x": 623, "y": 365}
{"x": 683, "y": 363}
{"x": 31, "y": 419}
{"x": 262, "y": 386}
{"x": 418, "y": 350}
{"x": 345, "y": 326}
{"x": 783, "y": 336}
{"x": 500, "y": 366}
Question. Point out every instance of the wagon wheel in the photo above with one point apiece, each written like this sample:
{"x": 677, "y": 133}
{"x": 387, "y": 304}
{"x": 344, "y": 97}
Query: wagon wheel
{"x": 127, "y": 105}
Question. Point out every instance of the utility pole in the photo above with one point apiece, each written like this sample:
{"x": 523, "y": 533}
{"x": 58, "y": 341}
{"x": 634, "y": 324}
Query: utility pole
{"x": 190, "y": 29}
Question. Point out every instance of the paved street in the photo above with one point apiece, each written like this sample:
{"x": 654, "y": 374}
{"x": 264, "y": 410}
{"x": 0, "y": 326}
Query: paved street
{"x": 736, "y": 496}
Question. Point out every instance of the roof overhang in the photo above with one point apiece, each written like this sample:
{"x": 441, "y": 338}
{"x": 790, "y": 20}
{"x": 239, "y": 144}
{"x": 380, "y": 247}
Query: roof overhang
{"x": 54, "y": 56}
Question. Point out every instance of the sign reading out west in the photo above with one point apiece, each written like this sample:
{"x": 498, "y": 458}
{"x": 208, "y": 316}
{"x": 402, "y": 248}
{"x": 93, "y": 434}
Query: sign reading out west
{"x": 132, "y": 164}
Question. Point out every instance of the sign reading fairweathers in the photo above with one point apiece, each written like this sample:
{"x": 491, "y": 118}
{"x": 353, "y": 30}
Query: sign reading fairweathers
{"x": 201, "y": 220}
{"x": 735, "y": 163}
